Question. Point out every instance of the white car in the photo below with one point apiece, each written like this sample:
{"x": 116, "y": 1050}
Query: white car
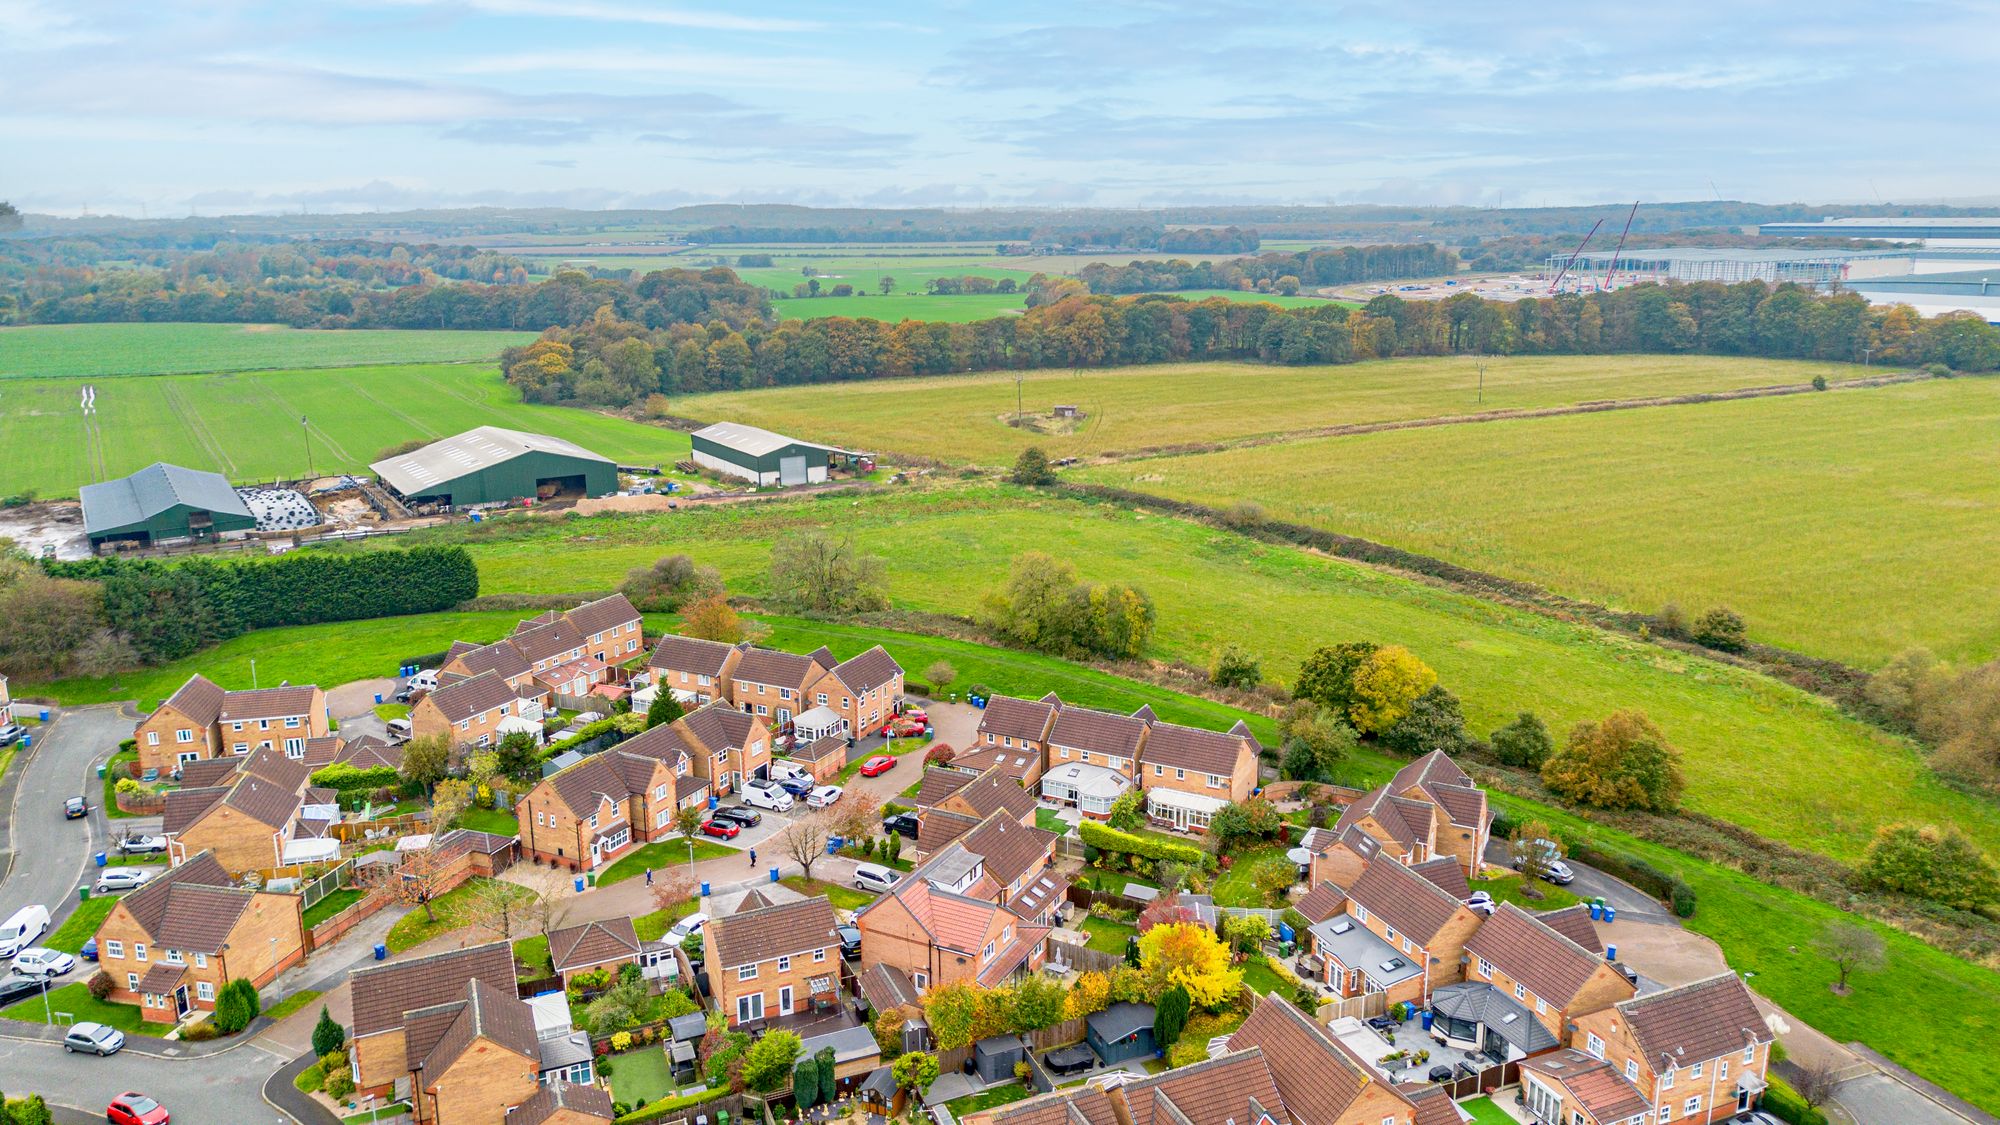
{"x": 1481, "y": 902}
{"x": 766, "y": 795}
{"x": 94, "y": 1038}
{"x": 823, "y": 796}
{"x": 142, "y": 845}
{"x": 122, "y": 879}
{"x": 43, "y": 962}
{"x": 686, "y": 928}
{"x": 874, "y": 877}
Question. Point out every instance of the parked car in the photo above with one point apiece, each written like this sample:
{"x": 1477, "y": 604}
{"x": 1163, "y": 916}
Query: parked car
{"x": 766, "y": 795}
{"x": 426, "y": 680}
{"x": 850, "y": 940}
{"x": 797, "y": 785}
{"x": 399, "y": 730}
{"x": 20, "y": 931}
{"x": 1558, "y": 872}
{"x": 143, "y": 845}
{"x": 874, "y": 877}
{"x": 1481, "y": 902}
{"x": 410, "y": 695}
{"x": 134, "y": 1108}
{"x": 122, "y": 879}
{"x": 1627, "y": 971}
{"x": 75, "y": 808}
{"x": 43, "y": 962}
{"x": 823, "y": 796}
{"x": 877, "y": 765}
{"x": 11, "y": 733}
{"x": 686, "y": 928}
{"x": 917, "y": 713}
{"x": 15, "y": 988}
{"x": 94, "y": 1038}
{"x": 902, "y": 822}
{"x": 1755, "y": 1117}
{"x": 89, "y": 951}
{"x": 741, "y": 814}
{"x": 725, "y": 829}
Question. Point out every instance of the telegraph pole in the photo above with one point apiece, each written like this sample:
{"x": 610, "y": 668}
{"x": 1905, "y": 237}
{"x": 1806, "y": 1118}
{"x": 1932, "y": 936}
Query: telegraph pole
{"x": 307, "y": 431}
{"x": 1482, "y": 382}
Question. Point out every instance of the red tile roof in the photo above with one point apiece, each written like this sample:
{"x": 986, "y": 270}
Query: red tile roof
{"x": 593, "y": 943}
{"x": 1007, "y": 717}
{"x": 789, "y": 928}
{"x": 473, "y": 695}
{"x": 1235, "y": 1089}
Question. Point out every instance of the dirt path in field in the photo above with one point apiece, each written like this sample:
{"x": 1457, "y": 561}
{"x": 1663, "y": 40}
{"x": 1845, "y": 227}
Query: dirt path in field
{"x": 1599, "y": 407}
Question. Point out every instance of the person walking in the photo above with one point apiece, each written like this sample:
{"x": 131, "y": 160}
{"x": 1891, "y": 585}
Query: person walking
{"x": 649, "y": 876}
{"x": 753, "y": 857}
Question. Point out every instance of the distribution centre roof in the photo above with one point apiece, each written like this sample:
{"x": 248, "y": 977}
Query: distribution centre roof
{"x": 482, "y": 448}
{"x": 114, "y": 504}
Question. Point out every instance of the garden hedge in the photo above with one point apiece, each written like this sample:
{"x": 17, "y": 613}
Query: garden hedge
{"x": 1108, "y": 839}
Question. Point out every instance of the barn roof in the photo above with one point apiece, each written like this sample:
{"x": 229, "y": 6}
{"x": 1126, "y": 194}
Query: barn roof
{"x": 115, "y": 505}
{"x": 476, "y": 449}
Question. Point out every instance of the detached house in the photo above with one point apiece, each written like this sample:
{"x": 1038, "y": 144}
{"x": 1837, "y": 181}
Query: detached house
{"x": 200, "y": 720}
{"x": 1575, "y": 1089}
{"x": 957, "y": 801}
{"x": 861, "y": 691}
{"x": 247, "y": 822}
{"x": 728, "y": 746}
{"x": 1013, "y": 734}
{"x": 1462, "y": 824}
{"x": 1190, "y": 774}
{"x": 594, "y": 811}
{"x": 446, "y": 1032}
{"x": 564, "y": 1103}
{"x": 1696, "y": 1053}
{"x": 171, "y": 945}
{"x": 471, "y": 711}
{"x": 465, "y": 660}
{"x": 1399, "y": 934}
{"x": 611, "y": 627}
{"x": 770, "y": 960}
{"x": 698, "y": 672}
{"x": 1093, "y": 757}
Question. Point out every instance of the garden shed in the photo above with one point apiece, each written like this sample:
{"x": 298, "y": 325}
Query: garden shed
{"x": 1122, "y": 1031}
{"x": 993, "y": 1059}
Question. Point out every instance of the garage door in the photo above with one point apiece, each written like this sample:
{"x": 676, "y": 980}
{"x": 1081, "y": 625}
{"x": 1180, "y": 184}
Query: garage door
{"x": 791, "y": 470}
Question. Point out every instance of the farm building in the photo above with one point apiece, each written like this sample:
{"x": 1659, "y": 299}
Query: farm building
{"x": 164, "y": 503}
{"x": 490, "y": 465}
{"x": 763, "y": 457}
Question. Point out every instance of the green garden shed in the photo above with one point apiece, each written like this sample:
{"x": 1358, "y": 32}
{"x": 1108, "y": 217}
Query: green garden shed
{"x": 490, "y": 465}
{"x": 161, "y": 504}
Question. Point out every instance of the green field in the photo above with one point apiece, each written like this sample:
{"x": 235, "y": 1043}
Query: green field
{"x": 963, "y": 418}
{"x": 1853, "y": 524}
{"x": 903, "y": 306}
{"x": 1826, "y": 782}
{"x": 99, "y": 350}
{"x": 246, "y": 425}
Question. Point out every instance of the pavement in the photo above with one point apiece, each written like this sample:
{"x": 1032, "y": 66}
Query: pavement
{"x": 223, "y": 1087}
{"x": 47, "y": 856}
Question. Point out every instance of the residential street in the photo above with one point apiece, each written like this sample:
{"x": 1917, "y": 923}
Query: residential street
{"x": 216, "y": 1088}
{"x": 46, "y": 855}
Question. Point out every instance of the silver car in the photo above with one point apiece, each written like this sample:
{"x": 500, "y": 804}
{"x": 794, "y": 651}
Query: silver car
{"x": 122, "y": 879}
{"x": 94, "y": 1038}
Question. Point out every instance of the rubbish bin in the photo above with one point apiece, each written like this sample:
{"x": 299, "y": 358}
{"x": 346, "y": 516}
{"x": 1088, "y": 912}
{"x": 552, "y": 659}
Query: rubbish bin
{"x": 704, "y": 890}
{"x": 381, "y": 952}
{"x": 712, "y": 802}
{"x": 1611, "y": 953}
{"x": 1596, "y": 912}
{"x": 378, "y": 698}
{"x": 1427, "y": 1020}
{"x": 1610, "y": 913}
{"x": 101, "y": 861}
{"x": 45, "y": 714}
{"x": 83, "y": 893}
{"x": 579, "y": 884}
{"x": 833, "y": 845}
{"x": 774, "y": 874}
{"x": 101, "y": 770}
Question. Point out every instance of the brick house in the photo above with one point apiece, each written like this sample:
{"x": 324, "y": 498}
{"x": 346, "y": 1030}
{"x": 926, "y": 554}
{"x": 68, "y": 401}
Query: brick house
{"x": 465, "y": 660}
{"x": 772, "y": 685}
{"x": 182, "y": 729}
{"x": 1190, "y": 774}
{"x": 593, "y": 812}
{"x": 388, "y": 997}
{"x": 1014, "y": 730}
{"x": 244, "y": 824}
{"x": 772, "y": 960}
{"x": 468, "y": 711}
{"x": 606, "y": 944}
{"x": 975, "y": 796}
{"x": 472, "y": 1058}
{"x": 612, "y": 630}
{"x": 171, "y": 945}
{"x": 1096, "y": 738}
{"x": 698, "y": 672}
{"x": 1399, "y": 934}
{"x": 1552, "y": 977}
{"x": 1463, "y": 824}
{"x": 1230, "y": 1089}
{"x": 862, "y": 690}
{"x": 1575, "y": 1089}
{"x": 1697, "y": 1052}
{"x": 547, "y": 641}
{"x": 1320, "y": 1080}
{"x": 200, "y": 720}
{"x": 564, "y": 1103}
{"x": 728, "y": 746}
{"x": 1403, "y": 829}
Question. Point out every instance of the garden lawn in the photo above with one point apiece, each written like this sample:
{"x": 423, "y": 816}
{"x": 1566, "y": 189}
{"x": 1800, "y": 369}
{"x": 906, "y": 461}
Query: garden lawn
{"x": 843, "y": 898}
{"x": 1261, "y": 977}
{"x": 1107, "y": 936}
{"x": 387, "y": 711}
{"x": 81, "y": 924}
{"x": 1805, "y": 514}
{"x": 491, "y": 820}
{"x": 292, "y": 1003}
{"x": 115, "y": 769}
{"x": 1049, "y": 821}
{"x": 652, "y": 927}
{"x": 331, "y": 905}
{"x": 640, "y": 1076}
{"x": 660, "y": 855}
{"x": 453, "y": 910}
{"x": 962, "y": 419}
{"x": 987, "y": 1099}
{"x": 1484, "y": 1112}
{"x": 1233, "y": 887}
{"x": 1507, "y": 888}
{"x": 76, "y": 999}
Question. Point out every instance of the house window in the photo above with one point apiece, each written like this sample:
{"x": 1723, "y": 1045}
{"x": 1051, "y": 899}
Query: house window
{"x": 784, "y": 693}
{"x": 263, "y": 724}
{"x": 236, "y": 726}
{"x": 822, "y": 699}
{"x": 987, "y": 955}
{"x": 1214, "y": 781}
{"x": 1065, "y": 752}
{"x": 819, "y": 955}
{"x": 746, "y": 972}
{"x": 784, "y": 964}
{"x": 1360, "y": 913}
{"x": 750, "y": 1008}
{"x": 1389, "y": 932}
{"x": 1696, "y": 1072}
{"x": 702, "y": 680}
{"x": 114, "y": 949}
{"x": 1159, "y": 771}
{"x": 183, "y": 736}
{"x": 1596, "y": 1046}
{"x": 504, "y": 706}
{"x": 292, "y": 721}
{"x": 242, "y": 748}
{"x": 1485, "y": 967}
{"x": 921, "y": 980}
{"x": 1750, "y": 1055}
{"x": 132, "y": 982}
{"x": 1180, "y": 775}
{"x": 204, "y": 990}
{"x": 139, "y": 951}
{"x": 1692, "y": 1107}
{"x": 173, "y": 956}
{"x": 1666, "y": 1113}
{"x": 1541, "y": 1009}
{"x": 660, "y": 818}
{"x": 1722, "y": 1070}
{"x": 593, "y": 820}
{"x": 763, "y": 710}
{"x": 152, "y": 738}
{"x": 1632, "y": 1070}
{"x": 295, "y": 748}
{"x": 201, "y": 960}
{"x": 484, "y": 739}
{"x": 1520, "y": 991}
{"x": 659, "y": 792}
{"x": 1667, "y": 1079}
{"x": 465, "y": 724}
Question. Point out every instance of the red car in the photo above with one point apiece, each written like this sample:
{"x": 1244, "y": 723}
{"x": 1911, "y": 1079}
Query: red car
{"x": 133, "y": 1108}
{"x": 723, "y": 828}
{"x": 877, "y": 765}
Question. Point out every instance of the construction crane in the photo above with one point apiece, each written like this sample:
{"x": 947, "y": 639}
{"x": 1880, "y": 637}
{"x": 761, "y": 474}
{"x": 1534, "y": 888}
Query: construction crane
{"x": 1574, "y": 254}
{"x": 1612, "y": 267}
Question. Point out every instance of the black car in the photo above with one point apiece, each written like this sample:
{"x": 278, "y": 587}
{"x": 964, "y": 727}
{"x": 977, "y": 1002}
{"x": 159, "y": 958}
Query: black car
{"x": 742, "y": 815}
{"x": 905, "y": 823}
{"x": 850, "y": 940}
{"x": 15, "y": 988}
{"x": 75, "y": 807}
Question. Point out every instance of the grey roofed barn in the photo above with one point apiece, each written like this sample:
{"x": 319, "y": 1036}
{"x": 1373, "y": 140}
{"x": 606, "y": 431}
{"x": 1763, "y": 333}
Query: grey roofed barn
{"x": 490, "y": 464}
{"x": 163, "y": 501}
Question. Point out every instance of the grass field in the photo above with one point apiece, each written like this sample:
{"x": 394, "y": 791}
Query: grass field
{"x": 246, "y": 425}
{"x": 903, "y": 306}
{"x": 1826, "y": 782}
{"x": 1852, "y": 524}
{"x": 964, "y": 418}
{"x": 81, "y": 924}
{"x": 99, "y": 350}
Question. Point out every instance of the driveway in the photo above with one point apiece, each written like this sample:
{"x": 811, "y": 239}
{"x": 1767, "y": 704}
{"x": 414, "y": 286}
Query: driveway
{"x": 1590, "y": 883}
{"x": 47, "y": 855}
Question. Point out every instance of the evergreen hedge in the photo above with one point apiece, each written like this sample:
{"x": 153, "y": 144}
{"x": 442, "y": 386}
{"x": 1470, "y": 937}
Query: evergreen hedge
{"x": 1107, "y": 839}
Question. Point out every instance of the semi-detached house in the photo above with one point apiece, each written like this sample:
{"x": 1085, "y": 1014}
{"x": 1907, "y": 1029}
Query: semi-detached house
{"x": 593, "y": 812}
{"x": 201, "y": 720}
{"x": 1551, "y": 977}
{"x": 1399, "y": 934}
{"x": 698, "y": 672}
{"x": 470, "y": 712}
{"x": 768, "y": 960}
{"x": 246, "y": 820}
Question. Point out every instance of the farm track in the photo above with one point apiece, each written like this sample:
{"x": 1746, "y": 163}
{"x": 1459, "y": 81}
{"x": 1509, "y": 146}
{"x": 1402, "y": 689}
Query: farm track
{"x": 1284, "y": 437}
{"x": 191, "y": 420}
{"x": 415, "y": 423}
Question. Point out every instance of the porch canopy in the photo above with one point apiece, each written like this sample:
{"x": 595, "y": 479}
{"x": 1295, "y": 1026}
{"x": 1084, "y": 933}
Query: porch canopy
{"x": 818, "y": 723}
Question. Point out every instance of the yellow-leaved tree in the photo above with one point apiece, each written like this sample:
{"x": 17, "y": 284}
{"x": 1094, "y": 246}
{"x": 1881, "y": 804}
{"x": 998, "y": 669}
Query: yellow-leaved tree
{"x": 1189, "y": 955}
{"x": 1385, "y": 684}
{"x": 1090, "y": 994}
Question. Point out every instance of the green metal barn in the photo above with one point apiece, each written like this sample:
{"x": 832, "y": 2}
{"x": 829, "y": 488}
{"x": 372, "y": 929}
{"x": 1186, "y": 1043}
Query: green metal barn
{"x": 164, "y": 503}
{"x": 760, "y": 455}
{"x": 490, "y": 465}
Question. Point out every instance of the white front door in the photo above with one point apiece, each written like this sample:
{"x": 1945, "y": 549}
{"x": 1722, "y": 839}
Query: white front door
{"x": 785, "y": 1001}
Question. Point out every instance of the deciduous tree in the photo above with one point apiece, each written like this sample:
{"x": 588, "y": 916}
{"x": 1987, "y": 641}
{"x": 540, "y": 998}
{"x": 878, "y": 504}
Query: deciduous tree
{"x": 1191, "y": 956}
{"x": 804, "y": 840}
{"x": 815, "y": 572}
{"x": 713, "y": 619}
{"x": 1624, "y": 762}
{"x": 1852, "y": 948}
{"x": 1525, "y": 742}
{"x": 1385, "y": 683}
{"x": 426, "y": 759}
{"x": 915, "y": 1071}
{"x": 1940, "y": 864}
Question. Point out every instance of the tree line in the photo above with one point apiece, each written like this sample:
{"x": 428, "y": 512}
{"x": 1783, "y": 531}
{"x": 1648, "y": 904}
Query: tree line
{"x": 1014, "y": 233}
{"x": 1266, "y": 273}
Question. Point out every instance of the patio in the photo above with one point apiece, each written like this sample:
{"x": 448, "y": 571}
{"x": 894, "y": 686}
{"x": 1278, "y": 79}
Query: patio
{"x": 1410, "y": 1037}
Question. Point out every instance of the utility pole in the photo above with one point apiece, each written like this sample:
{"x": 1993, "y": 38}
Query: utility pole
{"x": 253, "y": 673}
{"x": 1866, "y": 355}
{"x": 307, "y": 431}
{"x": 1017, "y": 400}
{"x": 1482, "y": 382}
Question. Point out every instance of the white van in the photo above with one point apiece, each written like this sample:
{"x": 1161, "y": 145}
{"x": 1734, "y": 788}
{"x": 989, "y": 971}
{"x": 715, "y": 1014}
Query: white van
{"x": 21, "y": 931}
{"x": 426, "y": 680}
{"x": 766, "y": 795}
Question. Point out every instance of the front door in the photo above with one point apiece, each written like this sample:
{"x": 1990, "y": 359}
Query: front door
{"x": 1742, "y": 1100}
{"x": 785, "y": 1001}
{"x": 180, "y": 1001}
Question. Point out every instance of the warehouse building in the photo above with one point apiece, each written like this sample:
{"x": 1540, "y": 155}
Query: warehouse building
{"x": 490, "y": 466}
{"x": 1974, "y": 291}
{"x": 763, "y": 457}
{"x": 163, "y": 504}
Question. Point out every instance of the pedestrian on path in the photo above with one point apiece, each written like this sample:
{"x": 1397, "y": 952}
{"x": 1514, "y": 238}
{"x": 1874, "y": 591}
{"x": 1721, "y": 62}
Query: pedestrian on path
{"x": 753, "y": 857}
{"x": 649, "y": 876}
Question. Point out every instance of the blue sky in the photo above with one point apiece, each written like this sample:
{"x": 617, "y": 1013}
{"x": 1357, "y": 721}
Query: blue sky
{"x": 378, "y": 104}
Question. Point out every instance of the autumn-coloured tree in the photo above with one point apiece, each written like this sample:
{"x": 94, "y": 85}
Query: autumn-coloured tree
{"x": 449, "y": 801}
{"x": 672, "y": 887}
{"x": 952, "y": 1011}
{"x": 856, "y": 815}
{"x": 713, "y": 619}
{"x": 1090, "y": 994}
{"x": 1191, "y": 956}
{"x": 1624, "y": 762}
{"x": 1165, "y": 910}
{"x": 1386, "y": 683}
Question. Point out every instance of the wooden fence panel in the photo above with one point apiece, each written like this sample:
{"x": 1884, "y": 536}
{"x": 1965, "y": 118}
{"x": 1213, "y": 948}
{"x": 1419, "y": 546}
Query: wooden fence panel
{"x": 1082, "y": 958}
{"x": 1057, "y": 1035}
{"x": 1361, "y": 1007}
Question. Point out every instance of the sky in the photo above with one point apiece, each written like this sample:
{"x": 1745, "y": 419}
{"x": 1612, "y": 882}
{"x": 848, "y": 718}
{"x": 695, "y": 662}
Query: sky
{"x": 169, "y": 108}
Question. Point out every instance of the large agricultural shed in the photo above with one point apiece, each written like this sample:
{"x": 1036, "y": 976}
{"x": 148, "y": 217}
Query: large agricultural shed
{"x": 164, "y": 503}
{"x": 490, "y": 465}
{"x": 761, "y": 456}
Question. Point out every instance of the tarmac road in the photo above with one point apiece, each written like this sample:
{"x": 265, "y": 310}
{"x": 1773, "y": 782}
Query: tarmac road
{"x": 46, "y": 855}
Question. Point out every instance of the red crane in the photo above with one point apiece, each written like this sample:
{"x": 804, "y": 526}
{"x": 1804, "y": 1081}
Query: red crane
{"x": 1613, "y": 267}
{"x": 1564, "y": 272}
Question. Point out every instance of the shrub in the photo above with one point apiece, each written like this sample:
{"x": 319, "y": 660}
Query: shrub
{"x": 1720, "y": 628}
{"x": 1187, "y": 1052}
{"x": 1107, "y": 839}
{"x": 1624, "y": 762}
{"x": 1243, "y": 514}
{"x": 1235, "y": 667}
{"x": 339, "y": 1085}
{"x": 236, "y": 1006}
{"x": 1819, "y": 382}
{"x": 349, "y": 779}
{"x": 100, "y": 985}
{"x": 332, "y": 1061}
{"x": 1032, "y": 468}
{"x": 1937, "y": 371}
{"x": 1942, "y": 865}
{"x": 1525, "y": 742}
{"x": 940, "y": 674}
{"x": 310, "y": 1079}
{"x": 127, "y": 786}
{"x": 201, "y": 1032}
{"x": 1435, "y": 721}
{"x": 1672, "y": 621}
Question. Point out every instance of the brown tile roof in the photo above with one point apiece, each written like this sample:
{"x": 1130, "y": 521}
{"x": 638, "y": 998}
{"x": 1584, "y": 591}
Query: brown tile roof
{"x": 590, "y": 1101}
{"x": 485, "y": 843}
{"x": 718, "y": 726}
{"x": 192, "y": 907}
{"x": 1322, "y": 902}
{"x": 368, "y": 751}
{"x": 885, "y": 986}
{"x": 993, "y": 791}
{"x": 500, "y": 657}
{"x": 603, "y": 615}
{"x": 383, "y": 993}
{"x": 1403, "y": 899}
{"x": 615, "y": 775}
{"x": 1434, "y": 1106}
{"x": 820, "y": 748}
{"x": 547, "y": 642}
{"x": 1027, "y": 939}
{"x": 1318, "y": 1081}
{"x": 320, "y": 752}
{"x": 1573, "y": 922}
{"x": 1007, "y": 717}
{"x": 753, "y": 899}
{"x": 1081, "y": 1105}
{"x": 1597, "y": 1086}
{"x": 1434, "y": 767}
{"x": 871, "y": 669}
{"x": 473, "y": 695}
{"x": 266, "y": 703}
{"x": 1449, "y": 877}
{"x": 1464, "y": 807}
{"x": 664, "y": 742}
{"x": 209, "y": 772}
{"x": 776, "y": 669}
{"x": 199, "y": 699}
{"x": 1555, "y": 967}
{"x": 162, "y": 979}
{"x": 1081, "y": 728}
{"x": 274, "y": 767}
{"x": 1406, "y": 821}
{"x": 1036, "y": 895}
{"x": 939, "y": 783}
{"x": 1235, "y": 1089}
{"x": 693, "y": 785}
{"x": 1701, "y": 1020}
{"x": 789, "y": 928}
{"x": 263, "y": 801}
{"x": 1196, "y": 750}
{"x": 593, "y": 943}
{"x": 1008, "y": 849}
{"x": 690, "y": 654}
{"x": 486, "y": 1013}
{"x": 937, "y": 828}
{"x": 1012, "y": 761}
{"x": 185, "y": 806}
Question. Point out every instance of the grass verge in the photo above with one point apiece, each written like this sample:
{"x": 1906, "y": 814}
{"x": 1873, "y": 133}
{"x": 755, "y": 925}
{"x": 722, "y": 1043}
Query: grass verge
{"x": 843, "y": 898}
{"x": 659, "y": 855}
{"x": 290, "y": 1005}
{"x": 76, "y": 1000}
{"x": 454, "y": 910}
{"x": 81, "y": 924}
